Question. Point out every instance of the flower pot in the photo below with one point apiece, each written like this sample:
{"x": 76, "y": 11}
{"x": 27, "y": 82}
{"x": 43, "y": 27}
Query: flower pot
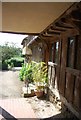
{"x": 39, "y": 93}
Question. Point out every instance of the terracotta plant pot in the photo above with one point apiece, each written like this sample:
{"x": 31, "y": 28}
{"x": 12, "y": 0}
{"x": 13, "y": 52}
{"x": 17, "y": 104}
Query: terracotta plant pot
{"x": 39, "y": 93}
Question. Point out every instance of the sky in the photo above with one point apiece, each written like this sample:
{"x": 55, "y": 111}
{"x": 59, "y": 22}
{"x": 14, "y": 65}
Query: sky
{"x": 15, "y": 38}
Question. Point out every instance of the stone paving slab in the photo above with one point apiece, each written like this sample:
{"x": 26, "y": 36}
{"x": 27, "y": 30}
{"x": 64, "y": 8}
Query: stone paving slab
{"x": 16, "y": 108}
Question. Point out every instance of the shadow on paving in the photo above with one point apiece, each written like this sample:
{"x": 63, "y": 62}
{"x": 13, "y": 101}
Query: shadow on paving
{"x": 7, "y": 115}
{"x": 59, "y": 117}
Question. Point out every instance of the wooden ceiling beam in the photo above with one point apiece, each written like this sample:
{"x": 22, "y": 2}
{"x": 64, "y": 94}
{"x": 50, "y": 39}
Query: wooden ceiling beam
{"x": 67, "y": 22}
{"x": 73, "y": 21}
{"x": 48, "y": 35}
{"x": 53, "y": 23}
{"x": 64, "y": 22}
{"x": 44, "y": 36}
{"x": 52, "y": 32}
{"x": 53, "y": 28}
{"x": 74, "y": 15}
{"x": 63, "y": 26}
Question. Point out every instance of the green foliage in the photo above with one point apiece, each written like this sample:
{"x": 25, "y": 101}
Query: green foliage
{"x": 0, "y": 65}
{"x": 10, "y": 66}
{"x": 4, "y": 66}
{"x": 40, "y": 73}
{"x": 34, "y": 72}
{"x": 7, "y": 52}
{"x": 26, "y": 72}
{"x": 16, "y": 61}
{"x": 21, "y": 73}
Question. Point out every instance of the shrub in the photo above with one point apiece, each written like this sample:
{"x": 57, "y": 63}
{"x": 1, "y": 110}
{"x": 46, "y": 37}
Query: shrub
{"x": 4, "y": 66}
{"x": 25, "y": 73}
{"x": 0, "y": 65}
{"x": 21, "y": 73}
{"x": 16, "y": 62}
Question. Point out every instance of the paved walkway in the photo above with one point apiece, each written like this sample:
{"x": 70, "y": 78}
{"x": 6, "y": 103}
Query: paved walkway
{"x": 16, "y": 109}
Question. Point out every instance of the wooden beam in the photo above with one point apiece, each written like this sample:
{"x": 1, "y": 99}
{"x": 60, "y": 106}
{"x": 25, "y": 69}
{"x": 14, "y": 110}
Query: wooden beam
{"x": 63, "y": 26}
{"x": 49, "y": 38}
{"x": 75, "y": 15}
{"x": 66, "y": 12}
{"x": 51, "y": 34}
{"x": 73, "y": 71}
{"x": 64, "y": 23}
{"x": 76, "y": 23}
{"x": 69, "y": 33}
{"x": 73, "y": 19}
{"x": 53, "y": 28}
{"x": 46, "y": 35}
{"x": 54, "y": 31}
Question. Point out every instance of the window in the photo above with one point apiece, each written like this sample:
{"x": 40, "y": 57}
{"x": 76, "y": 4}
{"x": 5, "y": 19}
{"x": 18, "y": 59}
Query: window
{"x": 71, "y": 52}
{"x": 78, "y": 54}
{"x": 51, "y": 52}
{"x": 74, "y": 53}
{"x": 54, "y": 50}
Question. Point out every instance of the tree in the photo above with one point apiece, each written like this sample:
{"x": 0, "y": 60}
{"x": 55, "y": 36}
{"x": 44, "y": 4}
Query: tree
{"x": 9, "y": 51}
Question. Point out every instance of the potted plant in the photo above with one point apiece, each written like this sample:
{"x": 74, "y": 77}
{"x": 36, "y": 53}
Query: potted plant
{"x": 25, "y": 75}
{"x": 39, "y": 73}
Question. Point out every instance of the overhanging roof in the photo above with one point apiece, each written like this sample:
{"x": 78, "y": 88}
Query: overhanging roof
{"x": 30, "y": 17}
{"x": 69, "y": 21}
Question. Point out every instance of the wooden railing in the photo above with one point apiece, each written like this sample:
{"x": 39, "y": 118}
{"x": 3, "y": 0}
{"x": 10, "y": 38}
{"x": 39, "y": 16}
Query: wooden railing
{"x": 52, "y": 74}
